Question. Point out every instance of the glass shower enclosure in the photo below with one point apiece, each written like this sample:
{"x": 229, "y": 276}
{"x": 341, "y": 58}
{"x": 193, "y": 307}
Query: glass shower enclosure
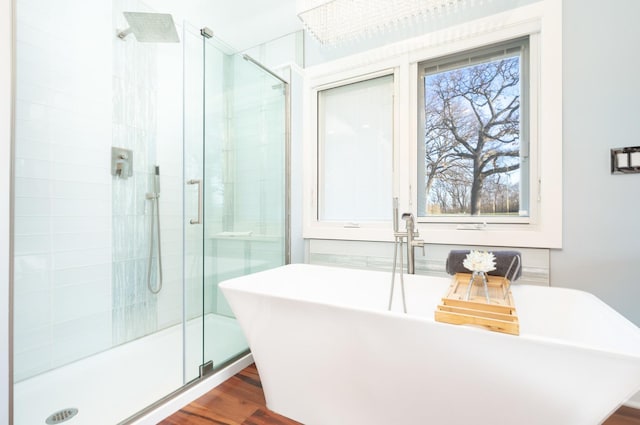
{"x": 146, "y": 172}
{"x": 236, "y": 174}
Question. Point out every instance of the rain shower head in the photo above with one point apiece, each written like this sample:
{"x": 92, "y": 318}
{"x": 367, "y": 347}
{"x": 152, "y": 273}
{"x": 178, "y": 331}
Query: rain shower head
{"x": 150, "y": 27}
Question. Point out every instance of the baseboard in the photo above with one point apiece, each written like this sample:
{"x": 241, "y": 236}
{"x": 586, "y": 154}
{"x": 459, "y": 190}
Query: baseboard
{"x": 628, "y": 412}
{"x": 633, "y": 402}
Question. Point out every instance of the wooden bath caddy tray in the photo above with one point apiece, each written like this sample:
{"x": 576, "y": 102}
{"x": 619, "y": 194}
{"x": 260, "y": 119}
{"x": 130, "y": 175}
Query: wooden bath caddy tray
{"x": 499, "y": 315}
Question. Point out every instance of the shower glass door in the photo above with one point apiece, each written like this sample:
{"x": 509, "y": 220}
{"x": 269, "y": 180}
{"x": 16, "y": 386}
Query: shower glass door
{"x": 192, "y": 182}
{"x": 245, "y": 142}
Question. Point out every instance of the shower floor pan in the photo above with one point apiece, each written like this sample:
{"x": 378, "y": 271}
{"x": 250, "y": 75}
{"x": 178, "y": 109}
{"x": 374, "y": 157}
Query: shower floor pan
{"x": 108, "y": 387}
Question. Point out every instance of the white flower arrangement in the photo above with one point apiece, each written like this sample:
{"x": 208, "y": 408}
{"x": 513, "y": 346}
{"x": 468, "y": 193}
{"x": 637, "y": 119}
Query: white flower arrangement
{"x": 480, "y": 261}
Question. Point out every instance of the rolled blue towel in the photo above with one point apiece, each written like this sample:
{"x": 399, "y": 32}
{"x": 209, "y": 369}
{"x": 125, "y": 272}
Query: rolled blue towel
{"x": 503, "y": 261}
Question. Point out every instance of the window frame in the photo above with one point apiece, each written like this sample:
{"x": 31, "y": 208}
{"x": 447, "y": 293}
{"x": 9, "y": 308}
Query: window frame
{"x": 542, "y": 22}
{"x": 313, "y": 227}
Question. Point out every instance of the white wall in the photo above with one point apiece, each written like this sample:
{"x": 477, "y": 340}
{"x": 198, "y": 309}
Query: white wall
{"x": 297, "y": 243}
{"x": 601, "y": 234}
{"x": 285, "y": 57}
{"x": 6, "y": 41}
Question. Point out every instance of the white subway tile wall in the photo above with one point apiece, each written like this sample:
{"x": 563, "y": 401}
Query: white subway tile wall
{"x": 63, "y": 196}
{"x": 379, "y": 256}
{"x": 82, "y": 235}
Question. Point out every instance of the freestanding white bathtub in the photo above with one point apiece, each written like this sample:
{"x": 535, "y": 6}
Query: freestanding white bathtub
{"x": 329, "y": 353}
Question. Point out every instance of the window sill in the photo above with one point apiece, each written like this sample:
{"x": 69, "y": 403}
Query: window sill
{"x": 507, "y": 235}
{"x": 496, "y": 235}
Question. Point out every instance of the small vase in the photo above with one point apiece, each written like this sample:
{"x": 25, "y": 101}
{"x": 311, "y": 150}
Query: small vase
{"x": 482, "y": 278}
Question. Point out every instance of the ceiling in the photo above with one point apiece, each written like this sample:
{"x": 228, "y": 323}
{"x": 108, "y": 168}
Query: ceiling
{"x": 247, "y": 23}
{"x": 243, "y": 24}
{"x": 239, "y": 23}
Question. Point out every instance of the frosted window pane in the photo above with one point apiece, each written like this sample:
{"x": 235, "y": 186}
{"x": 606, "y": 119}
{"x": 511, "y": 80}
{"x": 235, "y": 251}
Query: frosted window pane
{"x": 355, "y": 138}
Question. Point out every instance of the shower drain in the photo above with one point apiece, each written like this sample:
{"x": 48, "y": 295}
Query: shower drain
{"x": 61, "y": 416}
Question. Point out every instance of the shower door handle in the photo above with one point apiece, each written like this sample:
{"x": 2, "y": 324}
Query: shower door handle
{"x": 199, "y": 183}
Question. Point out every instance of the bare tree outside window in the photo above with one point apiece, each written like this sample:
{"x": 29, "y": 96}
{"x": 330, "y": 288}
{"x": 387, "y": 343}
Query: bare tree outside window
{"x": 472, "y": 131}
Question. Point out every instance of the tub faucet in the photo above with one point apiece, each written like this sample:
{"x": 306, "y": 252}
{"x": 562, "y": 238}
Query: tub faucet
{"x": 413, "y": 241}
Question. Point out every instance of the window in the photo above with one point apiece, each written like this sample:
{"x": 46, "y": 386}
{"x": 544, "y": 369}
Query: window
{"x": 462, "y": 125}
{"x": 473, "y": 134}
{"x": 355, "y": 143}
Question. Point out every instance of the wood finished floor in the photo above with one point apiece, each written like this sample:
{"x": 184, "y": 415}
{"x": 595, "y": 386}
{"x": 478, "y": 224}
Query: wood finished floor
{"x": 240, "y": 401}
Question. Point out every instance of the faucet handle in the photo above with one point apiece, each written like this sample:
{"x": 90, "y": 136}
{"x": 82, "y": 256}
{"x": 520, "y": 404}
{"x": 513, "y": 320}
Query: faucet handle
{"x": 419, "y": 243}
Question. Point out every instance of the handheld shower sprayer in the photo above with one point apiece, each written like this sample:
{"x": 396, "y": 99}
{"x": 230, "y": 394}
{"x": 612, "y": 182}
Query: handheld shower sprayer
{"x": 156, "y": 181}
{"x": 395, "y": 215}
{"x": 397, "y": 248}
{"x": 155, "y": 226}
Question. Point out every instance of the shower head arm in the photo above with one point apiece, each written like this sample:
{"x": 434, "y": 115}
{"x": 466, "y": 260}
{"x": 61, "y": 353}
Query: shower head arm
{"x": 124, "y": 33}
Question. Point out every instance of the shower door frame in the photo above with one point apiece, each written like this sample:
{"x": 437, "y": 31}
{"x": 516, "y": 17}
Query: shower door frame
{"x": 7, "y": 180}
